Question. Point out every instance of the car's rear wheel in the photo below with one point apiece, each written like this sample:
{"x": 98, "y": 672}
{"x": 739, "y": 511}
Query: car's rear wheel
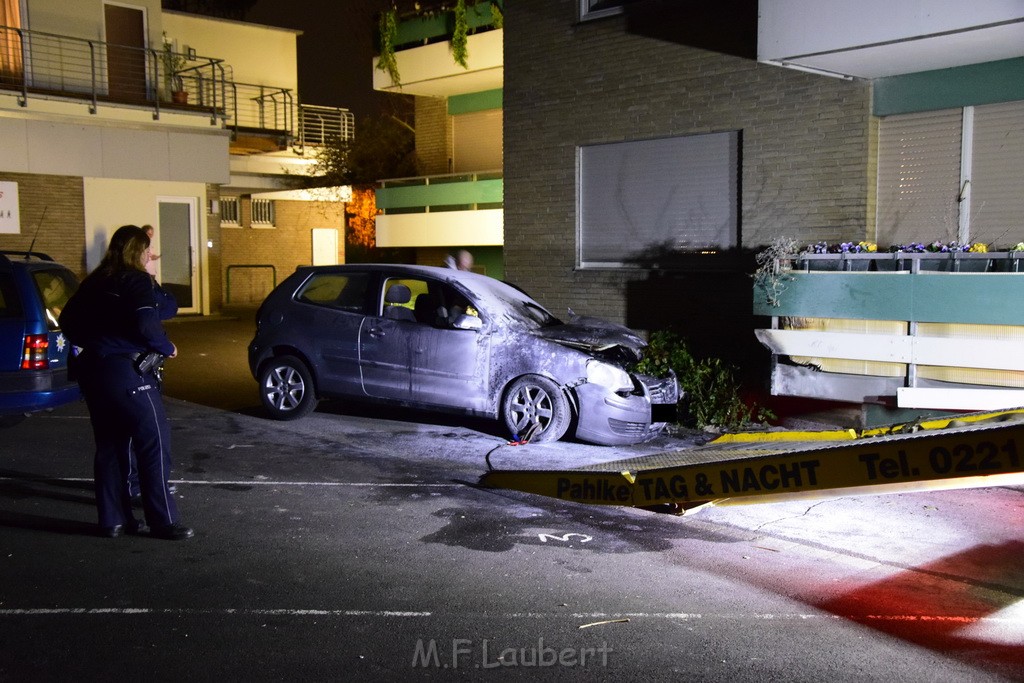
{"x": 535, "y": 408}
{"x": 286, "y": 388}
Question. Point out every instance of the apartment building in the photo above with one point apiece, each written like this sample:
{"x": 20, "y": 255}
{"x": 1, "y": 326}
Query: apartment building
{"x": 458, "y": 201}
{"x": 115, "y": 113}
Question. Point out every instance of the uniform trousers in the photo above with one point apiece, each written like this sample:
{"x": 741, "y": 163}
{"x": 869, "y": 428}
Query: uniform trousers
{"x": 127, "y": 414}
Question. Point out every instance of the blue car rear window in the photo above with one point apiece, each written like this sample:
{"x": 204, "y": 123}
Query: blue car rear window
{"x": 10, "y": 304}
{"x": 55, "y": 287}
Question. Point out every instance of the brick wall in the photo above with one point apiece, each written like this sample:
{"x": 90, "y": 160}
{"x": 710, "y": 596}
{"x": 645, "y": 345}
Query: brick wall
{"x": 433, "y": 135}
{"x": 285, "y": 246}
{"x": 60, "y": 232}
{"x": 805, "y": 154}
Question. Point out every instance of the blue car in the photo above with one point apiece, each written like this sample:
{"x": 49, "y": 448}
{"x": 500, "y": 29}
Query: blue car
{"x": 33, "y": 350}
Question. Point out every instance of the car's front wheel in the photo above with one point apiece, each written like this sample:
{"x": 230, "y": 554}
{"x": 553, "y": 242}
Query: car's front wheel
{"x": 286, "y": 388}
{"x": 536, "y": 409}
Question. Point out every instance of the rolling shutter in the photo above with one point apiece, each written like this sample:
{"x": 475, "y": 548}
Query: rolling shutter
{"x": 919, "y": 177}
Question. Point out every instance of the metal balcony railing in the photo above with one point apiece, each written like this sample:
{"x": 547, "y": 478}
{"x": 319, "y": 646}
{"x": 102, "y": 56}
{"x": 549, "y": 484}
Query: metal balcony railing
{"x": 40, "y": 65}
{"x": 319, "y": 125}
{"x": 260, "y": 107}
{"x": 46, "y": 65}
{"x": 268, "y": 110}
{"x": 449, "y": 192}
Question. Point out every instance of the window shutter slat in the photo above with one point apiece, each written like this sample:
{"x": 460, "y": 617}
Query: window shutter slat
{"x": 646, "y": 199}
{"x": 919, "y": 177}
{"x": 997, "y": 175}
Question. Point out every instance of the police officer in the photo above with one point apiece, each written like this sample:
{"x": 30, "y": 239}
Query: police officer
{"x": 167, "y": 308}
{"x": 114, "y": 318}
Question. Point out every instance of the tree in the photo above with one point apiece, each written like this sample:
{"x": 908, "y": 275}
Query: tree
{"x": 383, "y": 147}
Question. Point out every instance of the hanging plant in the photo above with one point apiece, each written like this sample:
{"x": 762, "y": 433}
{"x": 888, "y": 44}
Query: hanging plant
{"x": 459, "y": 36}
{"x": 387, "y": 62}
{"x": 497, "y": 18}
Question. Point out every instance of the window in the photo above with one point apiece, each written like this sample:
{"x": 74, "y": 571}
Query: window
{"x": 346, "y": 291}
{"x": 595, "y": 9}
{"x": 10, "y": 302}
{"x": 643, "y": 201}
{"x": 263, "y": 212}
{"x": 55, "y": 287}
{"x": 996, "y": 191}
{"x": 229, "y": 210}
{"x": 952, "y": 175}
{"x": 396, "y": 305}
{"x": 918, "y": 177}
{"x": 430, "y": 302}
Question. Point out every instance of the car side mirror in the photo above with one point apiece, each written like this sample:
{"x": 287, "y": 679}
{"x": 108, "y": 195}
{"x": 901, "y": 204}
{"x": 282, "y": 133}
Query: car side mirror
{"x": 468, "y": 322}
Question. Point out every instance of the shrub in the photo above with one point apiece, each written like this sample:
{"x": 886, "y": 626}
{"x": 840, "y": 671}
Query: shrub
{"x": 711, "y": 393}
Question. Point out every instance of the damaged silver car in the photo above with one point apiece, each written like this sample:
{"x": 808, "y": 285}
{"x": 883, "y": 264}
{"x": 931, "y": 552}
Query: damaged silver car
{"x": 442, "y": 339}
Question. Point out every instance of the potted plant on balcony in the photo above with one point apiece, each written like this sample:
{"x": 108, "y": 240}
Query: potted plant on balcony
{"x": 173, "y": 63}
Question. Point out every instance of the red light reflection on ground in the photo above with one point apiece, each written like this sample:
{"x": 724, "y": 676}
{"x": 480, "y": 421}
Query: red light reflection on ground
{"x": 931, "y": 605}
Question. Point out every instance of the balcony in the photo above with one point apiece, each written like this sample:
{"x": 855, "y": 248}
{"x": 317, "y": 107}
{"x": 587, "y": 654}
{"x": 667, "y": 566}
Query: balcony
{"x": 45, "y": 68}
{"x": 49, "y": 72}
{"x": 921, "y": 331}
{"x": 424, "y": 59}
{"x": 436, "y": 211}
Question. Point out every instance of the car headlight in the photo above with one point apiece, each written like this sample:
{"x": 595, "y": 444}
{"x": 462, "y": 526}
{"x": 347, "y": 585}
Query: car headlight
{"x": 607, "y": 375}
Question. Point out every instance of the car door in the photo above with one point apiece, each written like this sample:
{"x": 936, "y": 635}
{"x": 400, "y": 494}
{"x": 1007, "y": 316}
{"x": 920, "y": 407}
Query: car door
{"x": 385, "y": 341}
{"x": 420, "y": 358}
{"x": 450, "y": 366}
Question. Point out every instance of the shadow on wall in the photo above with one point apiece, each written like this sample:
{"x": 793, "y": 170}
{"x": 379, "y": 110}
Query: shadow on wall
{"x": 710, "y": 308}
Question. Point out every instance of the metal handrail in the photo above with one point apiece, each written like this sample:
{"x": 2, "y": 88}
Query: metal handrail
{"x": 43, "y": 65}
{"x": 48, "y": 65}
{"x": 319, "y": 125}
{"x": 265, "y": 107}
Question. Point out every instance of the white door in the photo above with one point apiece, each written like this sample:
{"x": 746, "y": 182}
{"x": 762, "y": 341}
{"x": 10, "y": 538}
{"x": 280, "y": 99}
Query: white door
{"x": 325, "y": 247}
{"x": 176, "y": 236}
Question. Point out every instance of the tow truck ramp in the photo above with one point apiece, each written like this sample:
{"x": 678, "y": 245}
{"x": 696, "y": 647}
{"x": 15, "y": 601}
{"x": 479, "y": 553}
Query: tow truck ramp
{"x": 962, "y": 451}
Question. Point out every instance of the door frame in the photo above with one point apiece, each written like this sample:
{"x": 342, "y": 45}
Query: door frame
{"x": 196, "y": 279}
{"x": 144, "y": 11}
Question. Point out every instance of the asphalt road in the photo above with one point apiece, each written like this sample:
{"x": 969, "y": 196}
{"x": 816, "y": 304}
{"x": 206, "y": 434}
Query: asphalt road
{"x": 356, "y": 543}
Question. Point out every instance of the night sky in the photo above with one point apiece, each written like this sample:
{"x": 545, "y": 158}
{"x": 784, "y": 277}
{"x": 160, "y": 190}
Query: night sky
{"x": 334, "y": 51}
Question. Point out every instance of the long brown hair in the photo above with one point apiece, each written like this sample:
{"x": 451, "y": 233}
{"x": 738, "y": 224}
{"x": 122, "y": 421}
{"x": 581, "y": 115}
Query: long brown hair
{"x": 125, "y": 252}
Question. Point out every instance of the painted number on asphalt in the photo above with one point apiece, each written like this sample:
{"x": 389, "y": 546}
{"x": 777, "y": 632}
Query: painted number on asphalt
{"x": 564, "y": 538}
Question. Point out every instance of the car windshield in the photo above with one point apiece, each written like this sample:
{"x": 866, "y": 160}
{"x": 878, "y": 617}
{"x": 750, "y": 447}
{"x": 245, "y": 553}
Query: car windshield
{"x": 512, "y": 303}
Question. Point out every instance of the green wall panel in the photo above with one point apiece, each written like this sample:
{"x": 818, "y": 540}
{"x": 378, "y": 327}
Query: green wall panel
{"x": 983, "y": 298}
{"x": 961, "y": 86}
{"x": 477, "y": 101}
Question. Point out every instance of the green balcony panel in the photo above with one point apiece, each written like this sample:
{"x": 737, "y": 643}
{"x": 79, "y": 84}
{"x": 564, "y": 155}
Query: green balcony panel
{"x": 421, "y": 30}
{"x": 982, "y": 298}
{"x": 439, "y": 193}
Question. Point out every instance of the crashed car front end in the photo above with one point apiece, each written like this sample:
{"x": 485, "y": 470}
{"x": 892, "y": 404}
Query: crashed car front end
{"x": 615, "y": 407}
{"x": 620, "y": 417}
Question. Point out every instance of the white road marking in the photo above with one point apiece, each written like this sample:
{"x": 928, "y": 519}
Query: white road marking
{"x": 249, "y": 482}
{"x": 398, "y": 614}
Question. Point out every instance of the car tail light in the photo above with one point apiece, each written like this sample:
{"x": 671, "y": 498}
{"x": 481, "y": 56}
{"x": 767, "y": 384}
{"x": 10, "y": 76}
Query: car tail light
{"x": 35, "y": 356}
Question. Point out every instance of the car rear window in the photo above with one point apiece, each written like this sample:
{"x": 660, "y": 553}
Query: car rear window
{"x": 346, "y": 291}
{"x": 10, "y": 304}
{"x": 55, "y": 287}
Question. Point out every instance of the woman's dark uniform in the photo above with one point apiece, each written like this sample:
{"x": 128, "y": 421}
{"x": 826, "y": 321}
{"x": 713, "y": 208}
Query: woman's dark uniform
{"x": 115, "y": 319}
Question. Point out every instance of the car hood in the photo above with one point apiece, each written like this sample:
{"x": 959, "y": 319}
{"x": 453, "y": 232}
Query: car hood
{"x": 594, "y": 335}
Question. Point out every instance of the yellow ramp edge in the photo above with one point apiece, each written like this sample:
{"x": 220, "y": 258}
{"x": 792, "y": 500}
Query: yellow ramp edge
{"x": 982, "y": 452}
